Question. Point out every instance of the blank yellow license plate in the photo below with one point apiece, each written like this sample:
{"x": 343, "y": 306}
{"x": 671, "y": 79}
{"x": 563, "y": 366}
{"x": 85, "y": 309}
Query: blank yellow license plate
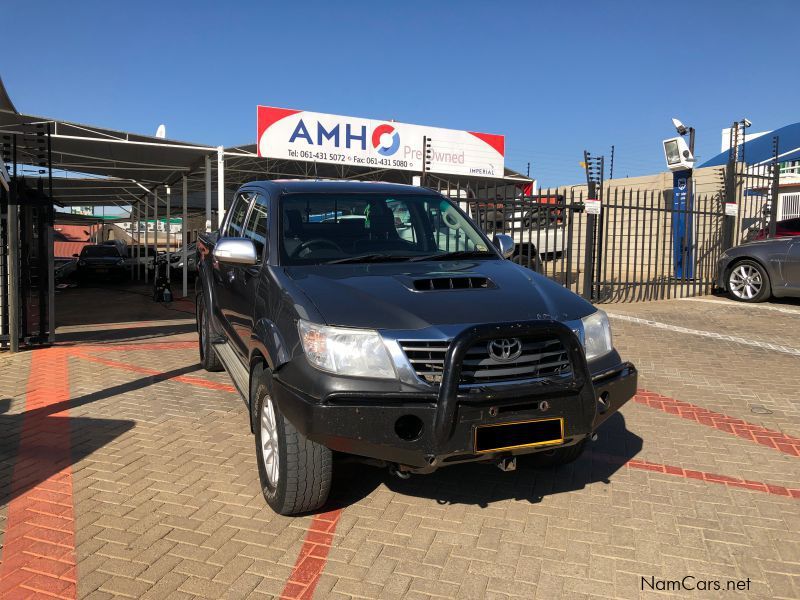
{"x": 520, "y": 434}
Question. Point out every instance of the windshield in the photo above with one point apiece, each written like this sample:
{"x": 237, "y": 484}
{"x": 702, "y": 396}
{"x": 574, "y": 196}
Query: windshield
{"x": 100, "y": 252}
{"x": 326, "y": 228}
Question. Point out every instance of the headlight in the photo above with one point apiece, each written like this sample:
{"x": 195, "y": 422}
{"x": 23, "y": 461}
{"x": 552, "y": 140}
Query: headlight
{"x": 355, "y": 352}
{"x": 120, "y": 262}
{"x": 596, "y": 335}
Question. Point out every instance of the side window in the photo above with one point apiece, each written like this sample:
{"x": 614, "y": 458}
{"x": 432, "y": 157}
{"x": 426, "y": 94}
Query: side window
{"x": 257, "y": 225}
{"x": 235, "y": 227}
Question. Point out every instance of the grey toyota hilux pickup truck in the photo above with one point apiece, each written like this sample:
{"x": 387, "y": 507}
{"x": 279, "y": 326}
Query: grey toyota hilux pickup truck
{"x": 377, "y": 320}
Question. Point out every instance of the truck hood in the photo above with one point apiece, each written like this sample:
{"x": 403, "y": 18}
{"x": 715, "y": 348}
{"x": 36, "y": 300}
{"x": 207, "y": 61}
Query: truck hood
{"x": 383, "y": 295}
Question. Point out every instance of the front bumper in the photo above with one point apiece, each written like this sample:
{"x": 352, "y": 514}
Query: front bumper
{"x": 375, "y": 425}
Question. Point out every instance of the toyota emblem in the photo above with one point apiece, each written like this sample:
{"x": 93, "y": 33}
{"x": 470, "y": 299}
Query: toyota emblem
{"x": 505, "y": 349}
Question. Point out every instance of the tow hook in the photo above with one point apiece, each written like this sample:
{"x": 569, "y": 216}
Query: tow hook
{"x": 398, "y": 473}
{"x": 507, "y": 464}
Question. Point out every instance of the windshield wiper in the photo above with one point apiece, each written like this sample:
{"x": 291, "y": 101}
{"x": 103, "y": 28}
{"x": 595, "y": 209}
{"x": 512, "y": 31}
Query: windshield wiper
{"x": 367, "y": 258}
{"x": 453, "y": 255}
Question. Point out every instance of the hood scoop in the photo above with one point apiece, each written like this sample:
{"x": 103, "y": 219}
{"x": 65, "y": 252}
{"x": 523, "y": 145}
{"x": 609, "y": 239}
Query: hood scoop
{"x": 433, "y": 284}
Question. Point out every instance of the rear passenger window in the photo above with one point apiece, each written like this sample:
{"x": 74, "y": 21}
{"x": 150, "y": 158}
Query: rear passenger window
{"x": 238, "y": 213}
{"x": 256, "y": 228}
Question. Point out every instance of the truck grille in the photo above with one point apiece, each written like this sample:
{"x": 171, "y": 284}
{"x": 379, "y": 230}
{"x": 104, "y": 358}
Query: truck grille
{"x": 539, "y": 358}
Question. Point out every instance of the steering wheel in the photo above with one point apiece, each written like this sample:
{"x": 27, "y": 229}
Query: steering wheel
{"x": 316, "y": 242}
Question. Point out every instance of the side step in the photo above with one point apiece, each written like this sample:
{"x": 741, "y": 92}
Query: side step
{"x": 233, "y": 365}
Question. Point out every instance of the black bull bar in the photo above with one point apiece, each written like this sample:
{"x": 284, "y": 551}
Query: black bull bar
{"x": 577, "y": 385}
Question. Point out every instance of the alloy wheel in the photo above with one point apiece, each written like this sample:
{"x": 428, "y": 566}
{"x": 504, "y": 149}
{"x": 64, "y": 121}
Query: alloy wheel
{"x": 745, "y": 282}
{"x": 269, "y": 441}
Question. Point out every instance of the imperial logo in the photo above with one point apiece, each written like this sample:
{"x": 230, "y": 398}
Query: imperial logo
{"x": 385, "y": 139}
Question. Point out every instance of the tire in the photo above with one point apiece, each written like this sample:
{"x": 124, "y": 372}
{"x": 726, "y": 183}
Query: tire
{"x": 747, "y": 281}
{"x": 559, "y": 456}
{"x": 301, "y": 479}
{"x": 208, "y": 356}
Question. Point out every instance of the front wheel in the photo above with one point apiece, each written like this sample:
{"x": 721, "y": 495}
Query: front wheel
{"x": 748, "y": 282}
{"x": 295, "y": 472}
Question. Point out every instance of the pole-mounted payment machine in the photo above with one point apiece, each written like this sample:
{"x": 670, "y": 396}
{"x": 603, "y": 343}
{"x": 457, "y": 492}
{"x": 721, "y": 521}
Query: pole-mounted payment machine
{"x": 680, "y": 160}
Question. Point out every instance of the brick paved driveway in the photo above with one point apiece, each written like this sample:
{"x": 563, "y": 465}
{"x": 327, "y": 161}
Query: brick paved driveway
{"x": 127, "y": 471}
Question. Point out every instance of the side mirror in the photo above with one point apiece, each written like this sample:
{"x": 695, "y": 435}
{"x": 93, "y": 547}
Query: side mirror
{"x": 504, "y": 243}
{"x": 76, "y": 256}
{"x": 236, "y": 251}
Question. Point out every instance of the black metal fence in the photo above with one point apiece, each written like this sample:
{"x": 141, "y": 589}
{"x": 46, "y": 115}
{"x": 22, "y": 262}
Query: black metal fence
{"x": 642, "y": 247}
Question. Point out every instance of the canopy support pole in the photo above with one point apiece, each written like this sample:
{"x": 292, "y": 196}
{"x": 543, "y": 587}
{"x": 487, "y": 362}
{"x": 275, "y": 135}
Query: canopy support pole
{"x": 185, "y": 236}
{"x": 137, "y": 249}
{"x": 146, "y": 241}
{"x": 220, "y": 185}
{"x": 130, "y": 246}
{"x": 13, "y": 262}
{"x": 208, "y": 193}
{"x": 168, "y": 227}
{"x": 155, "y": 234}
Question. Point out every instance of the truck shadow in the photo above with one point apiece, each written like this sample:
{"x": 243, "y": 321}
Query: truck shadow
{"x": 484, "y": 484}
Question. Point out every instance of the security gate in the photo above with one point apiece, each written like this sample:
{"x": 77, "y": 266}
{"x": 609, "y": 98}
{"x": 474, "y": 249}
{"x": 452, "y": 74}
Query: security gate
{"x": 27, "y": 280}
{"x": 629, "y": 255}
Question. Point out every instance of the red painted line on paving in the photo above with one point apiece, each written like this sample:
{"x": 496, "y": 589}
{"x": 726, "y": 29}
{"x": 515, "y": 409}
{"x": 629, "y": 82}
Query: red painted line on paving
{"x": 738, "y": 427}
{"x": 755, "y": 486}
{"x": 196, "y": 381}
{"x": 39, "y": 544}
{"x": 312, "y": 558}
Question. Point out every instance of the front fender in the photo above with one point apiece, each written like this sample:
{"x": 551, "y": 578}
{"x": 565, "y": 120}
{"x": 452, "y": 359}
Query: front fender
{"x": 268, "y": 341}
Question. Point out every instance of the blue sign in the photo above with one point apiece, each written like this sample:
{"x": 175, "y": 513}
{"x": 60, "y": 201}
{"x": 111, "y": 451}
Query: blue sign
{"x": 682, "y": 225}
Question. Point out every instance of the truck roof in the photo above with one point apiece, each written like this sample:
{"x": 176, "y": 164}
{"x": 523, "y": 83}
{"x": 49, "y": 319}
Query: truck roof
{"x": 322, "y": 186}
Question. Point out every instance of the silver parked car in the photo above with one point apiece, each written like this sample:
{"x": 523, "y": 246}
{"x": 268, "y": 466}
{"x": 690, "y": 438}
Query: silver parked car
{"x": 756, "y": 271}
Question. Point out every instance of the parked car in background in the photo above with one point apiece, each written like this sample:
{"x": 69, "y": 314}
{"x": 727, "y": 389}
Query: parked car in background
{"x": 755, "y": 271}
{"x": 380, "y": 322}
{"x": 64, "y": 268}
{"x": 537, "y": 228}
{"x": 102, "y": 261}
{"x": 176, "y": 262}
{"x": 785, "y": 228}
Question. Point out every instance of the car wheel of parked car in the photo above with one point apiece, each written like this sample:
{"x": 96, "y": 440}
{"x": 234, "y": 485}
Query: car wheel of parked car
{"x": 748, "y": 282}
{"x": 208, "y": 356}
{"x": 295, "y": 472}
{"x": 559, "y": 456}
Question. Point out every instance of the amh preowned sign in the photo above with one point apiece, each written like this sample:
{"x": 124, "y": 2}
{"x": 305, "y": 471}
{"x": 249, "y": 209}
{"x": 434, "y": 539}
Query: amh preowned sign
{"x": 301, "y": 135}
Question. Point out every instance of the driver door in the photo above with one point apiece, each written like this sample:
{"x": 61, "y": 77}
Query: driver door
{"x": 225, "y": 274}
{"x": 245, "y": 278}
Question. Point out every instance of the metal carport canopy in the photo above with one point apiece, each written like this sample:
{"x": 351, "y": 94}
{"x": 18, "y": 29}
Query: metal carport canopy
{"x": 153, "y": 162}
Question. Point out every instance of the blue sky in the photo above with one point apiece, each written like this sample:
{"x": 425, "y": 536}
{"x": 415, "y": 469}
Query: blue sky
{"x": 556, "y": 78}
